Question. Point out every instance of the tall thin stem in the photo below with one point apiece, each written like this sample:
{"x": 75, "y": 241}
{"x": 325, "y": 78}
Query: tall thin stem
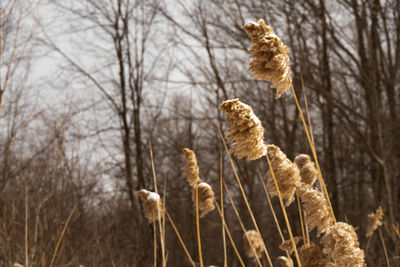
{"x": 241, "y": 223}
{"x": 230, "y": 236}
{"x": 198, "y": 227}
{"x": 221, "y": 188}
{"x": 244, "y": 196}
{"x": 320, "y": 178}
{"x": 273, "y": 211}
{"x": 284, "y": 211}
{"x": 180, "y": 238}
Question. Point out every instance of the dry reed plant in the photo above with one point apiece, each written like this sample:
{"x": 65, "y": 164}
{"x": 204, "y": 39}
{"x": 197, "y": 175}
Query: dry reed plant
{"x": 152, "y": 205}
{"x": 246, "y": 133}
{"x": 316, "y": 208}
{"x": 253, "y": 244}
{"x": 312, "y": 256}
{"x": 270, "y": 56}
{"x": 374, "y": 221}
{"x": 308, "y": 172}
{"x": 286, "y": 173}
{"x": 206, "y": 197}
{"x": 287, "y": 244}
{"x": 341, "y": 244}
{"x": 191, "y": 169}
{"x": 17, "y": 265}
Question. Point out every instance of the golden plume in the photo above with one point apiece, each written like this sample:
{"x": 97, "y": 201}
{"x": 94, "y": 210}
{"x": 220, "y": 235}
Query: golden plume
{"x": 246, "y": 132}
{"x": 286, "y": 173}
{"x": 270, "y": 56}
{"x": 308, "y": 172}
{"x": 152, "y": 206}
{"x": 206, "y": 197}
{"x": 316, "y": 208}
{"x": 341, "y": 245}
{"x": 191, "y": 169}
{"x": 374, "y": 221}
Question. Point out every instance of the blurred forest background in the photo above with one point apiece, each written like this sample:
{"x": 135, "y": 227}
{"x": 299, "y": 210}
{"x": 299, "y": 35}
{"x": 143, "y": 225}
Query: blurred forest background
{"x": 88, "y": 86}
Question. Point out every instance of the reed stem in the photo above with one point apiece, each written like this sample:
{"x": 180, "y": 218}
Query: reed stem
{"x": 244, "y": 196}
{"x": 320, "y": 178}
{"x": 284, "y": 211}
{"x": 180, "y": 238}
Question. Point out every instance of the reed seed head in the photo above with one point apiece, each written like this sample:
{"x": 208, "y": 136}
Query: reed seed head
{"x": 246, "y": 132}
{"x": 285, "y": 261}
{"x": 308, "y": 172}
{"x": 312, "y": 256}
{"x": 316, "y": 208}
{"x": 341, "y": 245}
{"x": 152, "y": 206}
{"x": 206, "y": 197}
{"x": 270, "y": 56}
{"x": 374, "y": 221}
{"x": 191, "y": 169}
{"x": 286, "y": 173}
{"x": 253, "y": 244}
{"x": 287, "y": 244}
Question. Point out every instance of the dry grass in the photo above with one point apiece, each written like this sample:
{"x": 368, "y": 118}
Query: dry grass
{"x": 285, "y": 179}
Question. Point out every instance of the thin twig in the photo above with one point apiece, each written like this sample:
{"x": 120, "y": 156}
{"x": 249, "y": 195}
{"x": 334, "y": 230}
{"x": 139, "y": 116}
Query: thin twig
{"x": 384, "y": 248}
{"x": 26, "y": 226}
{"x": 62, "y": 235}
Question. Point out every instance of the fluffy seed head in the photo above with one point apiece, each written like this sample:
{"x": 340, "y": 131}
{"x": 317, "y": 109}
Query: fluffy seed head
{"x": 246, "y": 133}
{"x": 206, "y": 197}
{"x": 286, "y": 173}
{"x": 191, "y": 169}
{"x": 253, "y": 244}
{"x": 152, "y": 206}
{"x": 341, "y": 245}
{"x": 270, "y": 56}
{"x": 308, "y": 172}
{"x": 316, "y": 208}
{"x": 285, "y": 261}
{"x": 311, "y": 256}
{"x": 374, "y": 221}
{"x": 287, "y": 244}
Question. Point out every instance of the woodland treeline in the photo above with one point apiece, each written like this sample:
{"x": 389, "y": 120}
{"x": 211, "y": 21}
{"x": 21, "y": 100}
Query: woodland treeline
{"x": 90, "y": 87}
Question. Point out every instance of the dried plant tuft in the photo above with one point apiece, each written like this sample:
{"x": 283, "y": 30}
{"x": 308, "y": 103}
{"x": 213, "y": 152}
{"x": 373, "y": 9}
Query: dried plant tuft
{"x": 152, "y": 205}
{"x": 286, "y": 173}
{"x": 287, "y": 244}
{"x": 374, "y": 221}
{"x": 316, "y": 208}
{"x": 191, "y": 169}
{"x": 285, "y": 261}
{"x": 312, "y": 256}
{"x": 308, "y": 172}
{"x": 341, "y": 245}
{"x": 270, "y": 56}
{"x": 206, "y": 198}
{"x": 246, "y": 132}
{"x": 253, "y": 244}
